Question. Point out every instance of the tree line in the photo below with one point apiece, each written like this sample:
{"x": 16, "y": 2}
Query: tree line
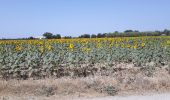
{"x": 127, "y": 33}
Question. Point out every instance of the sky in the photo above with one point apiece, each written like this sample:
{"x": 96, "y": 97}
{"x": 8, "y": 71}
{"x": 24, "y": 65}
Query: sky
{"x": 24, "y": 18}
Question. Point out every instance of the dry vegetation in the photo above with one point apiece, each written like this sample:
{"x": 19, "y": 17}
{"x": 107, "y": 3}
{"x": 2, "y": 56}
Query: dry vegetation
{"x": 127, "y": 80}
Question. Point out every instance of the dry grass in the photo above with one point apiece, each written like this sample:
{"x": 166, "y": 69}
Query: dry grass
{"x": 125, "y": 81}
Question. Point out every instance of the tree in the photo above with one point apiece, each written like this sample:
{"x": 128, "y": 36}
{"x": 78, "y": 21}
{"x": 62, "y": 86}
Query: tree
{"x": 109, "y": 35}
{"x": 31, "y": 37}
{"x": 136, "y": 31}
{"x": 48, "y": 35}
{"x": 57, "y": 36}
{"x": 115, "y": 34}
{"x": 127, "y": 31}
{"x": 93, "y": 36}
{"x": 85, "y": 36}
{"x": 166, "y": 32}
{"x": 67, "y": 37}
{"x": 99, "y": 35}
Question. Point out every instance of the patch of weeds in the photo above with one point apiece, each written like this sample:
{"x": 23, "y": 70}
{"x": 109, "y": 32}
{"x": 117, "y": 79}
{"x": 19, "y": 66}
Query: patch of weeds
{"x": 110, "y": 90}
{"x": 92, "y": 84}
{"x": 48, "y": 90}
{"x": 149, "y": 70}
{"x": 5, "y": 98}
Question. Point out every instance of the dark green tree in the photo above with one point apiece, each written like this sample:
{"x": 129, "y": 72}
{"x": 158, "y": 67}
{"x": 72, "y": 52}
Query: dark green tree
{"x": 127, "y": 31}
{"x": 166, "y": 32}
{"x": 67, "y": 37}
{"x": 93, "y": 36}
{"x": 57, "y": 36}
{"x": 31, "y": 38}
{"x": 99, "y": 35}
{"x": 48, "y": 35}
{"x": 85, "y": 36}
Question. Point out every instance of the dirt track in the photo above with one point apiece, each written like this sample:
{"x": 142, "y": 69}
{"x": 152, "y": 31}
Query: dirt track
{"x": 147, "y": 97}
{"x": 165, "y": 96}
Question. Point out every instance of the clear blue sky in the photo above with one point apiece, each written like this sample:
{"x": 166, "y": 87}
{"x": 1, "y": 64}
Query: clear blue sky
{"x": 23, "y": 18}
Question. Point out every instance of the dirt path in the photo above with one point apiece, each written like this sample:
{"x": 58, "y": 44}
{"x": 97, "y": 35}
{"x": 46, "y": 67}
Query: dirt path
{"x": 165, "y": 96}
{"x": 146, "y": 97}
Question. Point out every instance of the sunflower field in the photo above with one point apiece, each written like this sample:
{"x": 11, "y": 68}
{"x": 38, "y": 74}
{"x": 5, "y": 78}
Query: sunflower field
{"x": 79, "y": 57}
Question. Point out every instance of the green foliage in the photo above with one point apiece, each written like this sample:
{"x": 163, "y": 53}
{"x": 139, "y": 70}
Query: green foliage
{"x": 93, "y": 36}
{"x": 127, "y": 33}
{"x": 54, "y": 58}
{"x": 49, "y": 35}
{"x": 84, "y": 36}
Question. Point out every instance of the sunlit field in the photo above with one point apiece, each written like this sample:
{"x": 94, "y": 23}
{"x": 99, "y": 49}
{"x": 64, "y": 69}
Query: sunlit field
{"x": 62, "y": 57}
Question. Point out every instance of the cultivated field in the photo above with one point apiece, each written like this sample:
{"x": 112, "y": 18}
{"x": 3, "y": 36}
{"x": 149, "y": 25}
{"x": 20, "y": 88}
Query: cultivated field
{"x": 85, "y": 66}
{"x": 80, "y": 57}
